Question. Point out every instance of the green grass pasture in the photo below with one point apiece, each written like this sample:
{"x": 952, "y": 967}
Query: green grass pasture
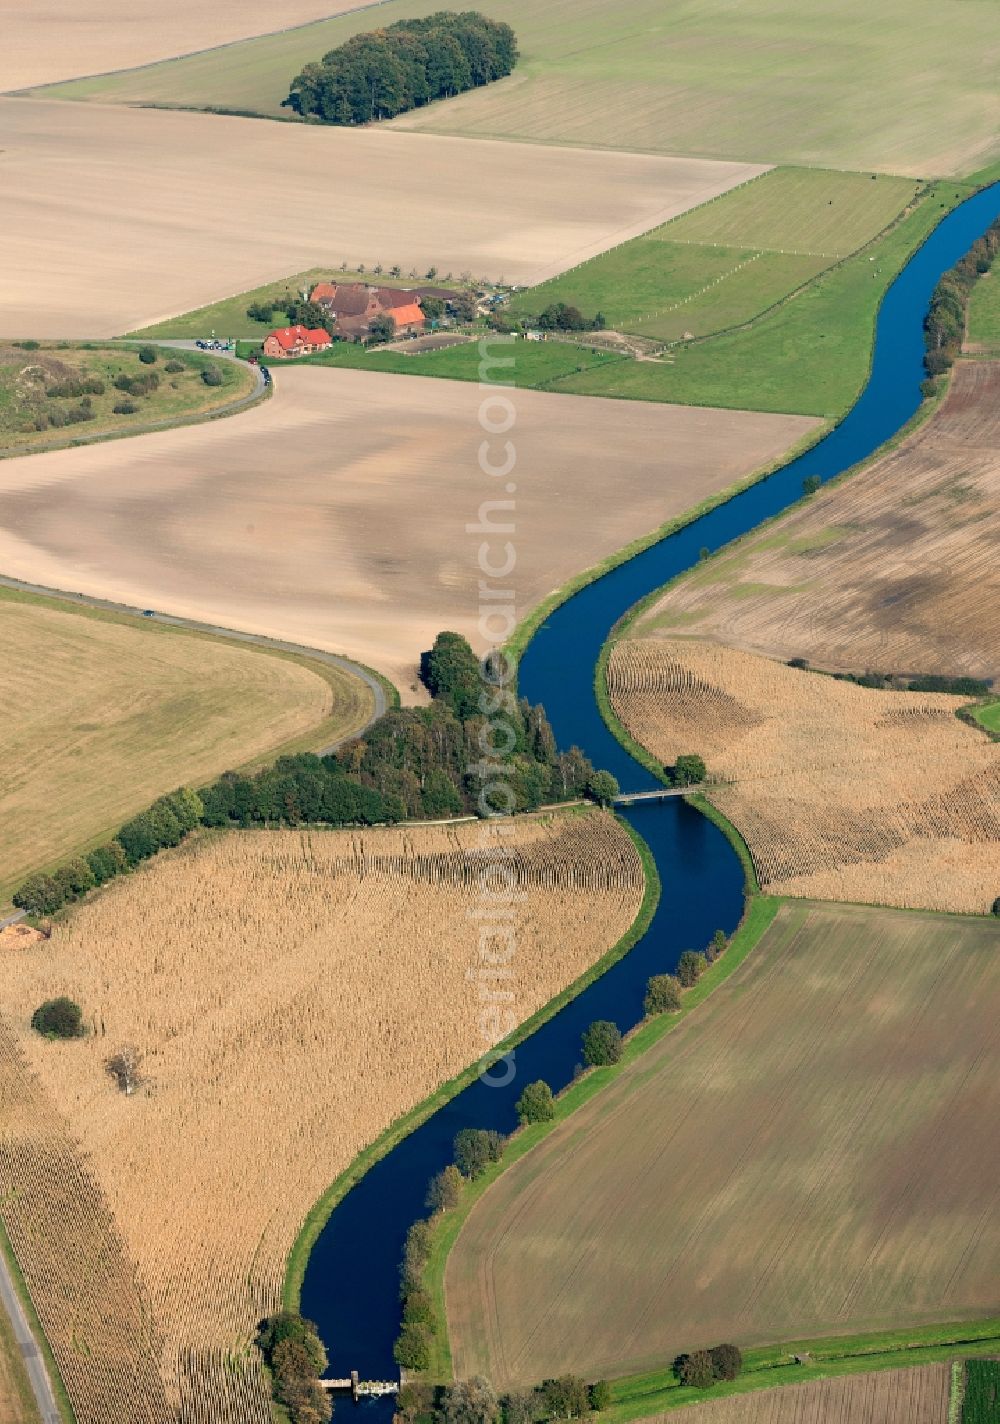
{"x": 902, "y": 86}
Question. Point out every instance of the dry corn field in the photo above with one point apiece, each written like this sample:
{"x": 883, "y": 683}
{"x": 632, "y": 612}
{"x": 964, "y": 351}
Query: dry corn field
{"x": 894, "y": 570}
{"x": 841, "y": 792}
{"x": 291, "y": 993}
{"x": 911, "y": 1396}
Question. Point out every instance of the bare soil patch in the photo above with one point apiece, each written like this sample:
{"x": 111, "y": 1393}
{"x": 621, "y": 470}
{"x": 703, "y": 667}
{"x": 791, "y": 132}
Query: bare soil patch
{"x": 894, "y": 569}
{"x": 840, "y": 791}
{"x": 292, "y": 993}
{"x": 335, "y": 514}
{"x": 804, "y": 1155}
{"x": 58, "y": 40}
{"x": 195, "y": 207}
{"x": 910, "y": 1396}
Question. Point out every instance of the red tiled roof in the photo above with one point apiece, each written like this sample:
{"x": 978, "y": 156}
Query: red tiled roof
{"x": 407, "y": 316}
{"x": 289, "y": 336}
{"x": 323, "y": 291}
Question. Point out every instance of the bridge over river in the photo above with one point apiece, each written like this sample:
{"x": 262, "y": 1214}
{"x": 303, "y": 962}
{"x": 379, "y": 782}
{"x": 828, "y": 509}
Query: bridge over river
{"x": 629, "y": 798}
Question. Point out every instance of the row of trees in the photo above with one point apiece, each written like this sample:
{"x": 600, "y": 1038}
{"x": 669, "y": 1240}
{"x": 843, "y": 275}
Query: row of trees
{"x": 295, "y": 1357}
{"x": 382, "y": 73}
{"x": 475, "y": 1150}
{"x": 896, "y": 682}
{"x": 475, "y": 1401}
{"x": 413, "y": 763}
{"x": 944, "y": 325}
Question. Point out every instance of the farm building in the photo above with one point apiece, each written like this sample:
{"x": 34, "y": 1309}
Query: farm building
{"x": 295, "y": 341}
{"x": 355, "y": 305}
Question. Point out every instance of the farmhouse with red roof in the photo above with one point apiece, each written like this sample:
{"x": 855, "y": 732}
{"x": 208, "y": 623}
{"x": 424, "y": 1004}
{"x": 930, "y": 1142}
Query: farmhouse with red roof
{"x": 295, "y": 341}
{"x": 354, "y": 306}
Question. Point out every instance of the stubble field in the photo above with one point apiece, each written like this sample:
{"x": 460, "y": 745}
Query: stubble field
{"x": 840, "y": 791}
{"x": 284, "y": 1029}
{"x": 910, "y": 1396}
{"x": 203, "y": 199}
{"x": 803, "y": 1155}
{"x": 100, "y": 716}
{"x": 835, "y": 83}
{"x": 894, "y": 569}
{"x": 308, "y": 518}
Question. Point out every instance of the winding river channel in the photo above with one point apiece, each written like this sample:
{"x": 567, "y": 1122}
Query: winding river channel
{"x": 351, "y": 1284}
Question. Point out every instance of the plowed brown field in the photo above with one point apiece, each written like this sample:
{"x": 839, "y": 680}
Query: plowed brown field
{"x": 894, "y": 570}
{"x": 195, "y": 207}
{"x": 336, "y": 514}
{"x": 911, "y": 1396}
{"x": 807, "y": 1154}
{"x": 292, "y": 993}
{"x": 840, "y": 791}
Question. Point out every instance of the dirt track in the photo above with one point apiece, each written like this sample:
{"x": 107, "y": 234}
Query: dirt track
{"x": 335, "y": 514}
{"x": 195, "y": 207}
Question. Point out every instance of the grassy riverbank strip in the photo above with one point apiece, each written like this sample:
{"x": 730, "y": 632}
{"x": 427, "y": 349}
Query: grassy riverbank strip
{"x": 639, "y": 1396}
{"x": 298, "y": 1257}
{"x": 759, "y": 914}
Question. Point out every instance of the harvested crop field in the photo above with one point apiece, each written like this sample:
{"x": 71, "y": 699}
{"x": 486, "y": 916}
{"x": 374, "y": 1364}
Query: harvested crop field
{"x": 196, "y": 195}
{"x": 836, "y": 83}
{"x": 840, "y": 791}
{"x": 280, "y": 1034}
{"x": 910, "y": 1396}
{"x": 335, "y": 514}
{"x": 803, "y": 1155}
{"x": 57, "y": 40}
{"x": 99, "y": 716}
{"x": 894, "y": 569}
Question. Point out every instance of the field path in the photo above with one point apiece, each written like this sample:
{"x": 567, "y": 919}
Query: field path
{"x": 31, "y": 1355}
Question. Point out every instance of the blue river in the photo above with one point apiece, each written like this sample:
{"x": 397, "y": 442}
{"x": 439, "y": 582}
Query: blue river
{"x": 351, "y": 1283}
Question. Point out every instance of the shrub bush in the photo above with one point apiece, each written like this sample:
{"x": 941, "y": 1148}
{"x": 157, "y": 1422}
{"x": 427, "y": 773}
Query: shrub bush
{"x": 212, "y": 376}
{"x": 147, "y": 355}
{"x": 690, "y": 968}
{"x": 58, "y": 1018}
{"x": 173, "y": 367}
{"x": 663, "y": 994}
{"x": 125, "y": 407}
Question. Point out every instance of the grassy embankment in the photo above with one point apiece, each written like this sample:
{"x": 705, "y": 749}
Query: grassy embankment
{"x": 983, "y": 329}
{"x": 18, "y": 1385}
{"x": 764, "y": 81}
{"x": 228, "y": 317}
{"x": 104, "y": 712}
{"x": 34, "y": 375}
{"x": 317, "y": 1218}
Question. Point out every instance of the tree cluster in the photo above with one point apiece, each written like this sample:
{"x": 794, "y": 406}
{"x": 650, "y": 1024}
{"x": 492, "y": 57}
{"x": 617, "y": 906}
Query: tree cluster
{"x": 944, "y": 325}
{"x": 475, "y": 1402}
{"x": 558, "y": 316}
{"x": 385, "y": 72}
{"x": 664, "y": 991}
{"x": 413, "y": 763}
{"x": 295, "y": 1356}
{"x": 702, "y": 1368}
{"x": 143, "y": 385}
{"x": 687, "y": 770}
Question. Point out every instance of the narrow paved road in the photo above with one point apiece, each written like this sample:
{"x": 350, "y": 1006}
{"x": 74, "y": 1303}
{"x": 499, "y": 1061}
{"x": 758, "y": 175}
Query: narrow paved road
{"x": 256, "y": 639}
{"x": 27, "y": 1347}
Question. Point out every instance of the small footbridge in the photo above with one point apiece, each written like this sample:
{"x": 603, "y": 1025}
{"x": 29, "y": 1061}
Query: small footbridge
{"x": 359, "y": 1388}
{"x": 661, "y": 793}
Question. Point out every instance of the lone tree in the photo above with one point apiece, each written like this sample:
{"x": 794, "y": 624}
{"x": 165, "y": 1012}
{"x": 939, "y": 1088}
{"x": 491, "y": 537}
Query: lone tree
{"x": 690, "y": 968}
{"x": 475, "y": 1149}
{"x": 444, "y": 1190}
{"x": 996, "y": 906}
{"x": 602, "y": 787}
{"x": 536, "y": 1103}
{"x": 689, "y": 770}
{"x": 602, "y": 1043}
{"x": 663, "y": 994}
{"x": 381, "y": 328}
{"x": 58, "y": 1018}
{"x": 124, "y": 1068}
{"x": 696, "y": 1369}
